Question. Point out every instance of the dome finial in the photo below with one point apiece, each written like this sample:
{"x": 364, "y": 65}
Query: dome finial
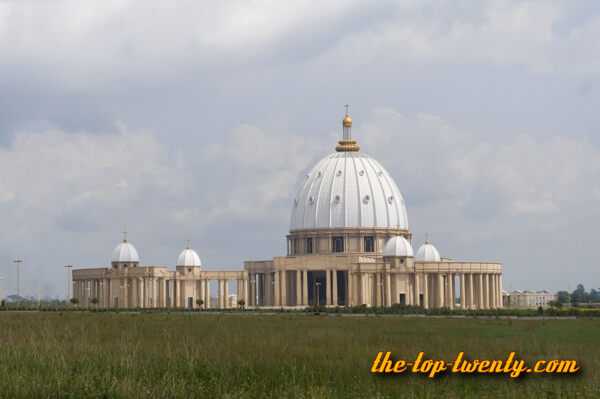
{"x": 347, "y": 144}
{"x": 397, "y": 229}
{"x": 426, "y": 238}
{"x": 124, "y": 236}
{"x": 188, "y": 244}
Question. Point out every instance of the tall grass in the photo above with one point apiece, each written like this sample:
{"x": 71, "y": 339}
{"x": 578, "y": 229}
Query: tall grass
{"x": 75, "y": 355}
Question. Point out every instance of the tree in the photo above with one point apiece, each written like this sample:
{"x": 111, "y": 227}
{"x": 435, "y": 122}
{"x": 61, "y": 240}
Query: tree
{"x": 241, "y": 303}
{"x": 199, "y": 302}
{"x": 563, "y": 296}
{"x": 3, "y": 305}
{"x": 74, "y": 301}
{"x": 556, "y": 304}
{"x": 579, "y": 294}
{"x": 94, "y": 301}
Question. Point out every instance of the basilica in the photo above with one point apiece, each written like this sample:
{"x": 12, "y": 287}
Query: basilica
{"x": 349, "y": 244}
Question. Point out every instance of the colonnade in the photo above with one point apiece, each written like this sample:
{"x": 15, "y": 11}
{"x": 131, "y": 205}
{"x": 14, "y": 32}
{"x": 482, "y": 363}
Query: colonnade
{"x": 301, "y": 287}
{"x": 154, "y": 292}
{"x": 375, "y": 288}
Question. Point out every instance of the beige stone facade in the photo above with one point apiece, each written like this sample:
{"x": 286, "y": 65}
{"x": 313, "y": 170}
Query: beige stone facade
{"x": 154, "y": 287}
{"x": 339, "y": 279}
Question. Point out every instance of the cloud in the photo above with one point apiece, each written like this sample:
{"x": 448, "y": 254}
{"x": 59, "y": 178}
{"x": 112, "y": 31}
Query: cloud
{"x": 264, "y": 171}
{"x": 539, "y": 177}
{"x": 54, "y": 181}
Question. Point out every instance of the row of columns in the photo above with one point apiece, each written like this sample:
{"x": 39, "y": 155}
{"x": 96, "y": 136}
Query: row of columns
{"x": 153, "y": 292}
{"x": 290, "y": 288}
{"x": 430, "y": 290}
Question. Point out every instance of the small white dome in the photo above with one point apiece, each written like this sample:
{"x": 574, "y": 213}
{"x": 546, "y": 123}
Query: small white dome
{"x": 427, "y": 253}
{"x": 188, "y": 257}
{"x": 398, "y": 246}
{"x": 125, "y": 252}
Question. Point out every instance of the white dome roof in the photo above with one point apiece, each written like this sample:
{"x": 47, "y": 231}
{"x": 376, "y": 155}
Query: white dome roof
{"x": 398, "y": 246}
{"x": 125, "y": 252}
{"x": 427, "y": 253}
{"x": 188, "y": 257}
{"x": 348, "y": 189}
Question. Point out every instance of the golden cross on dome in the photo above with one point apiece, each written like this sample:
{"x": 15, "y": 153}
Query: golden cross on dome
{"x": 347, "y": 106}
{"x": 426, "y": 238}
{"x": 397, "y": 229}
{"x": 124, "y": 235}
{"x": 188, "y": 242}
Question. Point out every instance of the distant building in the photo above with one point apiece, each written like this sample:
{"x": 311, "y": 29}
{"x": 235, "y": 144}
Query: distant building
{"x": 530, "y": 298}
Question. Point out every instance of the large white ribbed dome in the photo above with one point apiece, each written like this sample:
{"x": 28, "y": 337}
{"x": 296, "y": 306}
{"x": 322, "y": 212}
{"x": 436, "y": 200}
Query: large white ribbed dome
{"x": 398, "y": 246}
{"x": 427, "y": 253}
{"x": 125, "y": 252}
{"x": 348, "y": 189}
{"x": 188, "y": 257}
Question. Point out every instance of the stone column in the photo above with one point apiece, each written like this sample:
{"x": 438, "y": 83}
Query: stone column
{"x": 163, "y": 292}
{"x": 499, "y": 285}
{"x": 274, "y": 284}
{"x": 305, "y": 287}
{"x": 492, "y": 292}
{"x": 298, "y": 288}
{"x": 440, "y": 293}
{"x": 177, "y": 292}
{"x": 497, "y": 299}
{"x": 106, "y": 293}
{"x": 142, "y": 292}
{"x": 425, "y": 293}
{"x": 206, "y": 294}
{"x": 480, "y": 291}
{"x": 226, "y": 291}
{"x": 156, "y": 293}
{"x": 220, "y": 293}
{"x": 240, "y": 294}
{"x": 358, "y": 294}
{"x": 252, "y": 289}
{"x": 486, "y": 290}
{"x": 378, "y": 281}
{"x": 388, "y": 290}
{"x": 328, "y": 287}
{"x": 283, "y": 287}
{"x": 334, "y": 288}
{"x": 416, "y": 290}
{"x": 470, "y": 291}
{"x": 350, "y": 289}
{"x": 448, "y": 297}
{"x": 463, "y": 299}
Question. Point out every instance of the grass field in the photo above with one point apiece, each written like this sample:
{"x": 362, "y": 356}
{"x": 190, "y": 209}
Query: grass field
{"x": 198, "y": 355}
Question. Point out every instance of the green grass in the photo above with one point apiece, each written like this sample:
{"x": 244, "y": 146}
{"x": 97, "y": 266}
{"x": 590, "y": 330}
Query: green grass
{"x": 245, "y": 355}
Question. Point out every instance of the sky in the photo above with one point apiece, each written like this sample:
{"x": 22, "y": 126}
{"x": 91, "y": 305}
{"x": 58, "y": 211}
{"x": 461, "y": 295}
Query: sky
{"x": 197, "y": 120}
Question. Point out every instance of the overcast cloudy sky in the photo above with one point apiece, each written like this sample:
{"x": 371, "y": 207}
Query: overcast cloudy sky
{"x": 197, "y": 120}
